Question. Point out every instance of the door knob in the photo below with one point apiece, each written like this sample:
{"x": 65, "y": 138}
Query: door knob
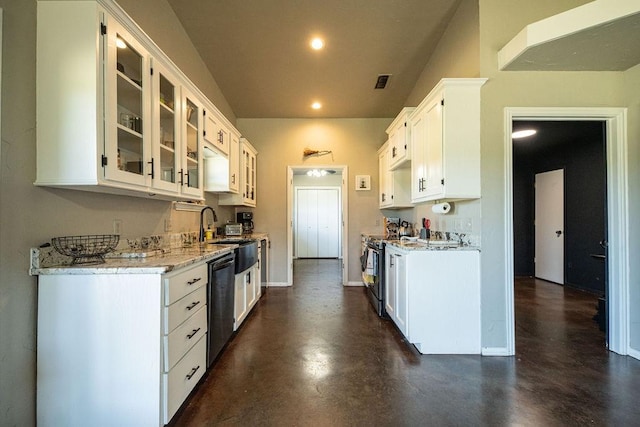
{"x": 558, "y": 233}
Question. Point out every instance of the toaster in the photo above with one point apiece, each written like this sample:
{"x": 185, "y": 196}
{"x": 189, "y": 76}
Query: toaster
{"x": 233, "y": 229}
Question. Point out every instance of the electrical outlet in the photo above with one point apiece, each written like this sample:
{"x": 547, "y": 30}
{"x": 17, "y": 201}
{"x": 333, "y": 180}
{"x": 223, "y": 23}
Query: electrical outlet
{"x": 117, "y": 226}
{"x": 167, "y": 225}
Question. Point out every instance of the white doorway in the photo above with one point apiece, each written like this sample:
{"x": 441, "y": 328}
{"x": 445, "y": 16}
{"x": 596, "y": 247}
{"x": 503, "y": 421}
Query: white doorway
{"x": 343, "y": 230}
{"x": 317, "y": 222}
{"x": 617, "y": 215}
{"x": 549, "y": 226}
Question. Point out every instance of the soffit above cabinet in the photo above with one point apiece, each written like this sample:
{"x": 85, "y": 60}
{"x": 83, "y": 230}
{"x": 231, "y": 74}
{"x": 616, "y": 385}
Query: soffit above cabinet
{"x": 598, "y": 36}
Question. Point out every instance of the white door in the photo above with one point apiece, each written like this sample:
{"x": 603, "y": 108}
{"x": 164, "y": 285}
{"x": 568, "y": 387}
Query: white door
{"x": 317, "y": 228}
{"x": 549, "y": 226}
{"x": 328, "y": 223}
{"x": 305, "y": 231}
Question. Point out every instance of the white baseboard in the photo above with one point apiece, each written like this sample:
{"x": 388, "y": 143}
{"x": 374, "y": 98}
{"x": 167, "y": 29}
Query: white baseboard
{"x": 495, "y": 351}
{"x": 350, "y": 283}
{"x": 277, "y": 284}
{"x": 634, "y": 353}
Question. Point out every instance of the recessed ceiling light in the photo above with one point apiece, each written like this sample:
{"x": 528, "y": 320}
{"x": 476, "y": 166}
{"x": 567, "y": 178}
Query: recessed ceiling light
{"x": 523, "y": 133}
{"x": 316, "y": 106}
{"x": 317, "y": 43}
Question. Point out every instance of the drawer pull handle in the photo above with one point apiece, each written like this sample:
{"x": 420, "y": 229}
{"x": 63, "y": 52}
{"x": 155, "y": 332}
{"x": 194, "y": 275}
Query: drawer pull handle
{"x": 193, "y": 304}
{"x": 193, "y": 334}
{"x": 191, "y": 282}
{"x": 193, "y": 372}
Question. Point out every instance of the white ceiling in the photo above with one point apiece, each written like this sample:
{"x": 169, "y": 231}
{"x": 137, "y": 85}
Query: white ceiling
{"x": 258, "y": 52}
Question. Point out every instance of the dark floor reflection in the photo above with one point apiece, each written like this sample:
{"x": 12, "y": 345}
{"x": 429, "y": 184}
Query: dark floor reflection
{"x": 316, "y": 354}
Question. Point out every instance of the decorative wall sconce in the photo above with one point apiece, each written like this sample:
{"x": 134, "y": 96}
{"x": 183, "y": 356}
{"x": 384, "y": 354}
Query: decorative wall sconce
{"x": 309, "y": 152}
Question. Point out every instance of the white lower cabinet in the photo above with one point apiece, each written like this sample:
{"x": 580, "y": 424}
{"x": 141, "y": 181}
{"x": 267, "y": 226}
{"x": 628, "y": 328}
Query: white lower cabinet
{"x": 180, "y": 380}
{"x": 247, "y": 292}
{"x": 433, "y": 296}
{"x": 119, "y": 349}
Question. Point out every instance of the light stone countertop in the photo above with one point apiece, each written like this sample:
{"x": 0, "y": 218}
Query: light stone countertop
{"x": 421, "y": 245}
{"x": 46, "y": 261}
{"x": 155, "y": 264}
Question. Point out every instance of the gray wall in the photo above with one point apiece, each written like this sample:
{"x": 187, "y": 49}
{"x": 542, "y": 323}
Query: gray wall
{"x": 280, "y": 143}
{"x": 499, "y": 22}
{"x": 30, "y": 216}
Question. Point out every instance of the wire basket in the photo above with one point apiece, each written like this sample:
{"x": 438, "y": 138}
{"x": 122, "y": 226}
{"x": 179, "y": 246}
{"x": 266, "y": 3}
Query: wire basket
{"x": 86, "y": 249}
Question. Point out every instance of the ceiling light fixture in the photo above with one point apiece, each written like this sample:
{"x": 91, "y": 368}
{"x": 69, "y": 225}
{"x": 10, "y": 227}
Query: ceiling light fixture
{"x": 316, "y": 173}
{"x": 317, "y": 43}
{"x": 120, "y": 44}
{"x": 523, "y": 133}
{"x": 316, "y": 106}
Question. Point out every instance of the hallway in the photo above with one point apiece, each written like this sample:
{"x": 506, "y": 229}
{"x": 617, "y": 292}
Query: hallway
{"x": 316, "y": 354}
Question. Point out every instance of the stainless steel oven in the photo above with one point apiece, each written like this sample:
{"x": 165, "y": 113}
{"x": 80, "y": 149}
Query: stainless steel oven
{"x": 372, "y": 260}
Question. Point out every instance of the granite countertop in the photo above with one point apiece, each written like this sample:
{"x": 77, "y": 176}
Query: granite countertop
{"x": 430, "y": 245}
{"x": 46, "y": 261}
{"x": 156, "y": 264}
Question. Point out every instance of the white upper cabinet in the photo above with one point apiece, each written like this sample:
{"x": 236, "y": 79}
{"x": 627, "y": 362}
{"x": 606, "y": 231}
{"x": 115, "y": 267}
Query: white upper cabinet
{"x": 394, "y": 185}
{"x": 445, "y": 142}
{"x": 216, "y": 132}
{"x": 247, "y": 173}
{"x": 190, "y": 173}
{"x": 166, "y": 163}
{"x": 221, "y": 173}
{"x": 234, "y": 163}
{"x": 400, "y": 140}
{"x": 114, "y": 114}
{"x": 127, "y": 108}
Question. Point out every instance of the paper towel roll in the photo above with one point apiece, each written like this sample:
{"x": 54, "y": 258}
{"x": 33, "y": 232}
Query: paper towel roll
{"x": 441, "y": 208}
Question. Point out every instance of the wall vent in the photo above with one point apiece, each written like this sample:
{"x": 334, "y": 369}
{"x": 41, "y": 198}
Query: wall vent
{"x": 381, "y": 83}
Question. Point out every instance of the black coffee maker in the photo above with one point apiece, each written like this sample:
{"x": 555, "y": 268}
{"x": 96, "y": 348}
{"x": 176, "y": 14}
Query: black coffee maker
{"x": 246, "y": 219}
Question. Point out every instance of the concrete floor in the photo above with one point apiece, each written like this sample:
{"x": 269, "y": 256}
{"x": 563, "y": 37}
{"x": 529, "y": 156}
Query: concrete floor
{"x": 316, "y": 354}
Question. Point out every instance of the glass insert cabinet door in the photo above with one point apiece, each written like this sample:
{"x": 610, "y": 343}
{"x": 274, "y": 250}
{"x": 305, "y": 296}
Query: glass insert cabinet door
{"x": 126, "y": 128}
{"x": 166, "y": 112}
{"x": 192, "y": 128}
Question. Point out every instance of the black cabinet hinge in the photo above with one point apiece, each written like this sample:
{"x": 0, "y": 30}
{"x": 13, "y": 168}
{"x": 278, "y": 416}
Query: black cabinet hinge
{"x": 103, "y": 29}
{"x": 204, "y": 113}
{"x": 204, "y": 133}
{"x": 442, "y": 181}
{"x": 442, "y": 102}
{"x": 152, "y": 71}
{"x": 104, "y": 160}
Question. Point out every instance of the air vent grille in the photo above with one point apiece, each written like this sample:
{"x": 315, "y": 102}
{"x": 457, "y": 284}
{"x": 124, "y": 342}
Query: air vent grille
{"x": 381, "y": 83}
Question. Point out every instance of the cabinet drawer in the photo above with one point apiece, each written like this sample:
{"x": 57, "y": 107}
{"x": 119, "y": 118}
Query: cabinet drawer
{"x": 184, "y": 282}
{"x": 178, "y": 383}
{"x": 181, "y": 310}
{"x": 178, "y": 342}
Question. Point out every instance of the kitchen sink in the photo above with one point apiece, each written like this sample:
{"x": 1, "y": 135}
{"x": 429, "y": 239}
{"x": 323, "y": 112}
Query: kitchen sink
{"x": 246, "y": 252}
{"x": 233, "y": 242}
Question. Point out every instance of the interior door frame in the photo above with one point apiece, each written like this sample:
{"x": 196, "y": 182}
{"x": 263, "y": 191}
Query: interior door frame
{"x": 295, "y": 211}
{"x": 617, "y": 214}
{"x": 344, "y": 209}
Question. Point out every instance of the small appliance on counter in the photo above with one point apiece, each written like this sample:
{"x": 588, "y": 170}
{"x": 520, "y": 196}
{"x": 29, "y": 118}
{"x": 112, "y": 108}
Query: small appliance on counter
{"x": 392, "y": 226}
{"x": 246, "y": 219}
{"x": 233, "y": 229}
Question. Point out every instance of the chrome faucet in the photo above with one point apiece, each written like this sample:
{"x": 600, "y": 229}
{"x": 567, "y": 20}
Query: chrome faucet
{"x": 215, "y": 219}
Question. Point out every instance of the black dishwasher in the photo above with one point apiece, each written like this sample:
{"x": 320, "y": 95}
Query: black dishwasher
{"x": 220, "y": 294}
